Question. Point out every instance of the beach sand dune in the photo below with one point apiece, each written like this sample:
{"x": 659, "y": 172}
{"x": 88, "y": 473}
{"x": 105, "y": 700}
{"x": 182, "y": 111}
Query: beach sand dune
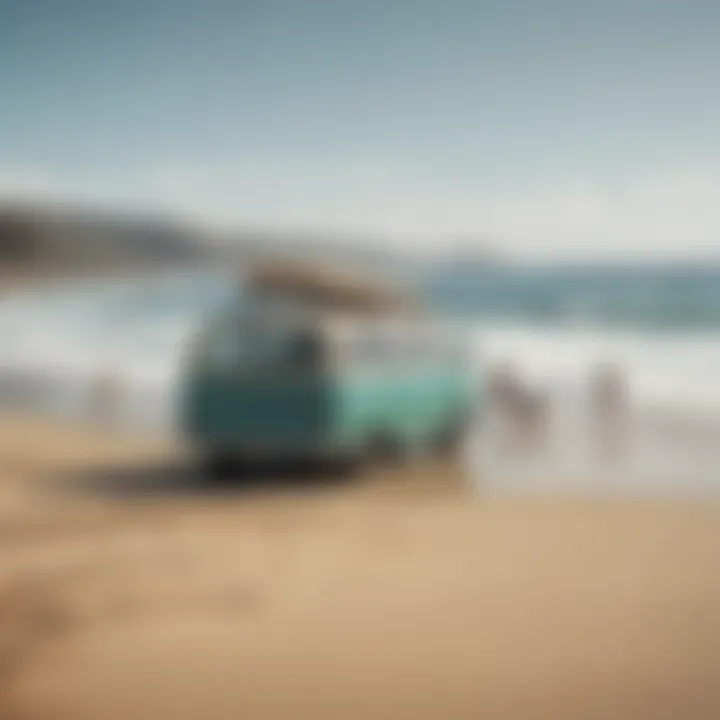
{"x": 129, "y": 590}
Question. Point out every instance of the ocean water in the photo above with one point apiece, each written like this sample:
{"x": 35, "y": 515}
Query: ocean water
{"x": 673, "y": 429}
{"x": 554, "y": 326}
{"x": 659, "y": 324}
{"x": 57, "y": 341}
{"x": 660, "y": 298}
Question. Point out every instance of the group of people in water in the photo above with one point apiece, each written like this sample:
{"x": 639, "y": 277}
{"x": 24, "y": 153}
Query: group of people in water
{"x": 525, "y": 413}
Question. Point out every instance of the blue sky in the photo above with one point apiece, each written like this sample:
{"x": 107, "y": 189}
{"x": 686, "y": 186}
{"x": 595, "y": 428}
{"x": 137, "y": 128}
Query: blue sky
{"x": 556, "y": 127}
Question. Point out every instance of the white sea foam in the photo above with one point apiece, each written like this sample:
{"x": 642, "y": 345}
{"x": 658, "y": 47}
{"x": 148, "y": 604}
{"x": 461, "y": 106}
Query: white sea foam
{"x": 673, "y": 433}
{"x": 57, "y": 340}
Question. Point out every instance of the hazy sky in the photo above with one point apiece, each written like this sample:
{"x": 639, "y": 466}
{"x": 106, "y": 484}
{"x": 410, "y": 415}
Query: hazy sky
{"x": 554, "y": 126}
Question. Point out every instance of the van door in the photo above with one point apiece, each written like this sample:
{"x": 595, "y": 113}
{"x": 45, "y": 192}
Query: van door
{"x": 262, "y": 385}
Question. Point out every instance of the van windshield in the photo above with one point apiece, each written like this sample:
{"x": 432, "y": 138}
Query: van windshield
{"x": 253, "y": 346}
{"x": 304, "y": 349}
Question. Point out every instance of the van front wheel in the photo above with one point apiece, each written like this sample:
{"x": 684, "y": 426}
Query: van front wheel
{"x": 387, "y": 450}
{"x": 448, "y": 444}
{"x": 219, "y": 466}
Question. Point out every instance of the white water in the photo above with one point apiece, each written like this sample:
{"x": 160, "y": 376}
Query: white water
{"x": 56, "y": 342}
{"x": 672, "y": 439}
{"x": 59, "y": 339}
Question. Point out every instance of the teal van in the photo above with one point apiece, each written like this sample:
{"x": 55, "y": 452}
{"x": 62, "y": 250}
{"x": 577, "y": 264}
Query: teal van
{"x": 288, "y": 383}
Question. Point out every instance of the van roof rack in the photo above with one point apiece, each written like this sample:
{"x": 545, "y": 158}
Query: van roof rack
{"x": 332, "y": 288}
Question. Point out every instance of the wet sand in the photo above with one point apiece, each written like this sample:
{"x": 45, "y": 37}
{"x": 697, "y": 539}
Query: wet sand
{"x": 130, "y": 590}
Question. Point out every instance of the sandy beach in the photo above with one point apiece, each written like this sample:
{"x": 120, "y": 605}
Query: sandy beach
{"x": 129, "y": 589}
{"x": 377, "y": 232}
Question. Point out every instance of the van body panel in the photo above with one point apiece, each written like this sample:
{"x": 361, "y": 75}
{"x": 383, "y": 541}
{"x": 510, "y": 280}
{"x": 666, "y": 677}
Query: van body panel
{"x": 241, "y": 410}
{"x": 412, "y": 405}
{"x": 333, "y": 409}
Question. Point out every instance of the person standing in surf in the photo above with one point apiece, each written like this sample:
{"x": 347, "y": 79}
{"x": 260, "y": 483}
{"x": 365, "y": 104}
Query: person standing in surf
{"x": 609, "y": 404}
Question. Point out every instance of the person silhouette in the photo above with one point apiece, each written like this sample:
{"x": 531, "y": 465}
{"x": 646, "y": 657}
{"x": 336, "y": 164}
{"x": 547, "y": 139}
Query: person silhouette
{"x": 520, "y": 411}
{"x": 608, "y": 407}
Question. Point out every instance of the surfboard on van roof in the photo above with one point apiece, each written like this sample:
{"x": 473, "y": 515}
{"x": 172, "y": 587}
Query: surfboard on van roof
{"x": 331, "y": 288}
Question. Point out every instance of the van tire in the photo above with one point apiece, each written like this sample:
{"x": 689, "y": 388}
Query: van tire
{"x": 449, "y": 441}
{"x": 386, "y": 450}
{"x": 347, "y": 466}
{"x": 220, "y": 467}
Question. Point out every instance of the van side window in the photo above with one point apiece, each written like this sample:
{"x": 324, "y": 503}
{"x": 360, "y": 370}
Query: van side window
{"x": 434, "y": 349}
{"x": 457, "y": 351}
{"x": 375, "y": 349}
{"x": 233, "y": 344}
{"x": 424, "y": 349}
{"x": 304, "y": 350}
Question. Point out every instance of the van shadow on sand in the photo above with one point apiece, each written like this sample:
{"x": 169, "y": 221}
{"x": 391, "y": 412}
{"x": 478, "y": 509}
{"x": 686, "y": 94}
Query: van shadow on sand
{"x": 175, "y": 478}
